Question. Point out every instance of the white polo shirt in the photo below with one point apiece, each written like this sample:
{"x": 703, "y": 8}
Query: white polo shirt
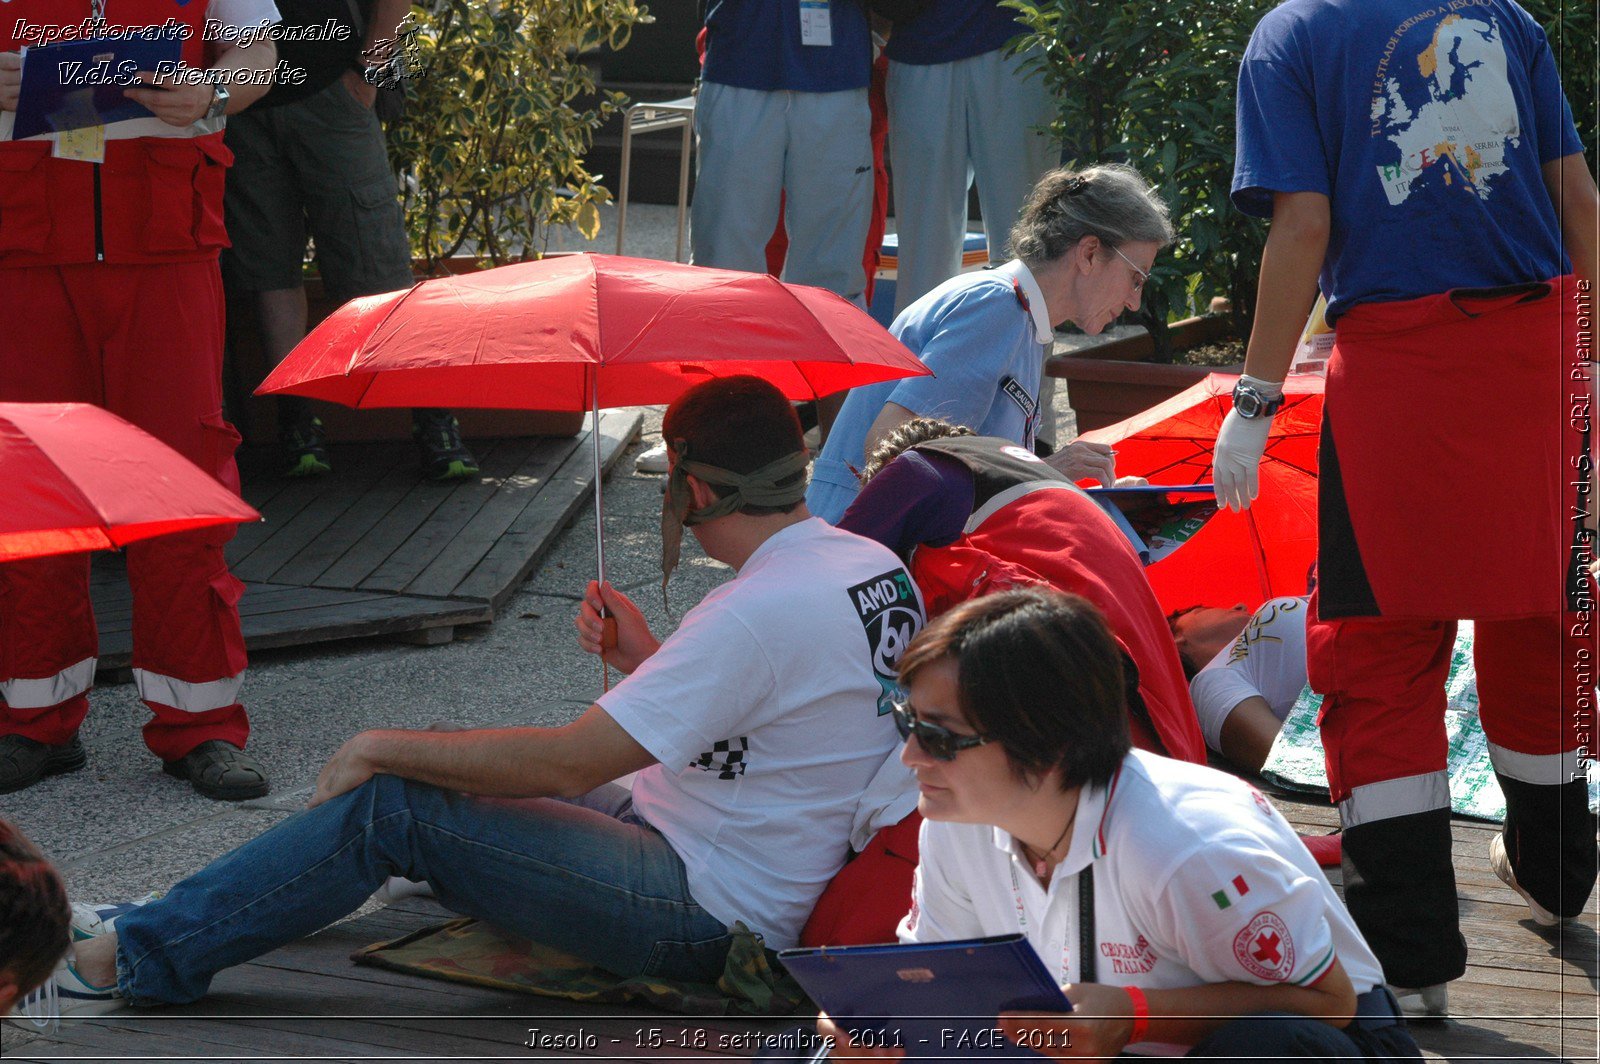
{"x": 1197, "y": 879}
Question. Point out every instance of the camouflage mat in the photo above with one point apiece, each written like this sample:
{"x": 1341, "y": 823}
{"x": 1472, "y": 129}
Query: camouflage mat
{"x": 753, "y": 983}
{"x": 1296, "y": 760}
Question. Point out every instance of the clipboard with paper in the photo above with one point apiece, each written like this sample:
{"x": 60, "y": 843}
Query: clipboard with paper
{"x": 932, "y": 999}
{"x": 76, "y": 84}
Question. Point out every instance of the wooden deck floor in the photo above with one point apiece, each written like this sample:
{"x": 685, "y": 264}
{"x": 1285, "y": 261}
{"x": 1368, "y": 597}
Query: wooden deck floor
{"x": 1528, "y": 995}
{"x": 373, "y": 550}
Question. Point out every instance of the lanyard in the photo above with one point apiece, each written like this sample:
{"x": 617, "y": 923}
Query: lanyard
{"x": 1086, "y": 965}
{"x": 97, "y": 9}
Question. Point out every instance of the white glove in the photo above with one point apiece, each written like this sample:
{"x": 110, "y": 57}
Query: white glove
{"x": 1236, "y": 461}
{"x": 1082, "y": 460}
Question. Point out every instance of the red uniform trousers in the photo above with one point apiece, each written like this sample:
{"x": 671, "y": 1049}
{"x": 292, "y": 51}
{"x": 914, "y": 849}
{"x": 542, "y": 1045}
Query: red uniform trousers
{"x": 1458, "y": 505}
{"x": 145, "y": 342}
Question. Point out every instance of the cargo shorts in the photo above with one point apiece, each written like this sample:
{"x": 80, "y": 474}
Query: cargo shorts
{"x": 315, "y": 167}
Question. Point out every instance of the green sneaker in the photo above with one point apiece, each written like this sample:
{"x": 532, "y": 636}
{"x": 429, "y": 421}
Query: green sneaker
{"x": 444, "y": 455}
{"x": 305, "y": 448}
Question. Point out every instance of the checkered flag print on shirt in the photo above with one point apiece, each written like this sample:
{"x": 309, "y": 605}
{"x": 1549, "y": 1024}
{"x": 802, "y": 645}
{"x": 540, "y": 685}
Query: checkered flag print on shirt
{"x": 725, "y": 758}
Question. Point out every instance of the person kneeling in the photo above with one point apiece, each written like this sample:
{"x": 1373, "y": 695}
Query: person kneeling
{"x": 1210, "y": 931}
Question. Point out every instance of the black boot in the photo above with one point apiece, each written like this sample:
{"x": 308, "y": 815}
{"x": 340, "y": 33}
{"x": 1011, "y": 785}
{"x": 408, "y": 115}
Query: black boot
{"x": 1400, "y": 886}
{"x": 1550, "y": 844}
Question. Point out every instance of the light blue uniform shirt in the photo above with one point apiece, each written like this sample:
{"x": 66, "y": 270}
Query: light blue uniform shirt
{"x": 985, "y": 336}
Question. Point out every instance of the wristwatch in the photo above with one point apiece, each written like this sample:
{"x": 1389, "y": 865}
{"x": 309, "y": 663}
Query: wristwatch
{"x": 1250, "y": 403}
{"x": 219, "y": 102}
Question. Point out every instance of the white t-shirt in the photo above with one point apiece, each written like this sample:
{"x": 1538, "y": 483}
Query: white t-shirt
{"x": 1197, "y": 879}
{"x": 1268, "y": 659}
{"x": 769, "y": 712}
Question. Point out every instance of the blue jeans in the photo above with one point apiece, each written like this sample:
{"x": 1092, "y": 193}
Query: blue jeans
{"x": 586, "y": 876}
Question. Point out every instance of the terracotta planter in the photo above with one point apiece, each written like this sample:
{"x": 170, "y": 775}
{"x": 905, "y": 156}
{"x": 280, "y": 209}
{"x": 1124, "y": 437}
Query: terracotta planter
{"x": 1114, "y": 381}
{"x": 258, "y": 423}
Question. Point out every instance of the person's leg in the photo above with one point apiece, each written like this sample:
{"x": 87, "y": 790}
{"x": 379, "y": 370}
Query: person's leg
{"x": 928, "y": 156}
{"x": 188, "y": 652}
{"x": 739, "y": 136}
{"x": 48, "y": 641}
{"x": 1384, "y": 736}
{"x": 1535, "y": 678}
{"x": 827, "y": 178}
{"x": 1009, "y": 112}
{"x": 605, "y": 889}
{"x": 1285, "y": 1036}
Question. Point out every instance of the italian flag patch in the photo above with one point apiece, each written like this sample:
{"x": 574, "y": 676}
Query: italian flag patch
{"x": 1225, "y": 898}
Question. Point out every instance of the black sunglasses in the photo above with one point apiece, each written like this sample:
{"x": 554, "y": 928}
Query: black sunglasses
{"x": 941, "y": 744}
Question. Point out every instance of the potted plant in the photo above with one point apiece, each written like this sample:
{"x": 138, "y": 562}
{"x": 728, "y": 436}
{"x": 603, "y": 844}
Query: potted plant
{"x": 1155, "y": 88}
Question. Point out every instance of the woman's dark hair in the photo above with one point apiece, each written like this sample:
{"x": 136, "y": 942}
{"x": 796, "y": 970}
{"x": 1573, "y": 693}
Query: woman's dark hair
{"x": 1038, "y": 672}
{"x": 739, "y": 424}
{"x": 34, "y": 916}
{"x": 905, "y": 436}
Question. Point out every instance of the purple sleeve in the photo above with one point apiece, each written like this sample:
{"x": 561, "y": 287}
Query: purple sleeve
{"x": 1554, "y": 135}
{"x": 915, "y": 499}
{"x": 1277, "y": 137}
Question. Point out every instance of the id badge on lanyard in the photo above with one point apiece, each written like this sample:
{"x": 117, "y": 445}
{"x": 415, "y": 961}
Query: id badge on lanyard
{"x": 85, "y": 143}
{"x": 816, "y": 23}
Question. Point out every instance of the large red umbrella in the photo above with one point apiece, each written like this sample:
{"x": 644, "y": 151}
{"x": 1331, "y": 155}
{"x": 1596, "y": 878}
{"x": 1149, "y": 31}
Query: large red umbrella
{"x": 80, "y": 478}
{"x": 1246, "y": 557}
{"x": 582, "y": 332}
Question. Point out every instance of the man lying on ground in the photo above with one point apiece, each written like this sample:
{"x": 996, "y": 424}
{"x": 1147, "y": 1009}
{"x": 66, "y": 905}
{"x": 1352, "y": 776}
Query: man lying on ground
{"x": 756, "y": 730}
{"x": 1246, "y": 670}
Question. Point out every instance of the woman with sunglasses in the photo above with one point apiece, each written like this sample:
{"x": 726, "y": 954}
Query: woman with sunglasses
{"x": 1207, "y": 929}
{"x": 1084, "y": 245}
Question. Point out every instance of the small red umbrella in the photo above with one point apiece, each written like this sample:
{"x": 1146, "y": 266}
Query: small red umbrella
{"x": 1246, "y": 557}
{"x": 583, "y": 332}
{"x": 80, "y": 478}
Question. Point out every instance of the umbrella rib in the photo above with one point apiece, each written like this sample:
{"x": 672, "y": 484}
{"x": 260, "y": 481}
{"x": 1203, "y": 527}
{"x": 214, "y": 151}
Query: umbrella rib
{"x": 351, "y": 365}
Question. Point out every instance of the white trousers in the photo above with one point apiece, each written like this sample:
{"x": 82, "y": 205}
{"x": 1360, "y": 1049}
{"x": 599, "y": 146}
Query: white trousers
{"x": 814, "y": 146}
{"x": 948, "y": 123}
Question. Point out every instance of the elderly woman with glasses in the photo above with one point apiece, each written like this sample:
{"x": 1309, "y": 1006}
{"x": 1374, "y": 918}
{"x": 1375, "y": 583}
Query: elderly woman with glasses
{"x": 1174, "y": 904}
{"x": 1084, "y": 246}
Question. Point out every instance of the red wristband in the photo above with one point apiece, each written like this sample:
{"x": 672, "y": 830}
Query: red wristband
{"x": 1141, "y": 1014}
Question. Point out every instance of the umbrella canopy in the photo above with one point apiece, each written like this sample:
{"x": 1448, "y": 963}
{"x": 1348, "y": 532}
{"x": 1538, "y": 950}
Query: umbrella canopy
{"x": 80, "y": 478}
{"x": 533, "y": 336}
{"x": 1246, "y": 557}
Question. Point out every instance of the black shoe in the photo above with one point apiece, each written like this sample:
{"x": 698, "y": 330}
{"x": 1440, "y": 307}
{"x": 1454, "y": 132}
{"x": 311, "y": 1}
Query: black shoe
{"x": 220, "y": 770}
{"x": 305, "y": 447}
{"x": 24, "y": 762}
{"x": 439, "y": 445}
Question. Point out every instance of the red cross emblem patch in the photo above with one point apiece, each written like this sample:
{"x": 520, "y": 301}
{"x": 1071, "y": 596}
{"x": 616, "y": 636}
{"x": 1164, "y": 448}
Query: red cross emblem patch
{"x": 1265, "y": 949}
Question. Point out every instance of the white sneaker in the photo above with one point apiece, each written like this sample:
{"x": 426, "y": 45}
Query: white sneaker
{"x": 1424, "y": 1002}
{"x": 1501, "y": 863}
{"x": 65, "y": 993}
{"x": 652, "y": 460}
{"x": 90, "y": 919}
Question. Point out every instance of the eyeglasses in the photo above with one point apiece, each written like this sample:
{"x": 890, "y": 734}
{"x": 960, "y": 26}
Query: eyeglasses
{"x": 1138, "y": 286}
{"x": 941, "y": 744}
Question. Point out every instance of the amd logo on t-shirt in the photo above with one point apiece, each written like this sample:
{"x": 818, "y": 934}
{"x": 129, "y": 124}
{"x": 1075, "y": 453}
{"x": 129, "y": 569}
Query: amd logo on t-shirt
{"x": 887, "y": 608}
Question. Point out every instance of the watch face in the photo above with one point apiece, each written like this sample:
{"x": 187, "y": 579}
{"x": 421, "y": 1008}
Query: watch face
{"x": 1247, "y": 402}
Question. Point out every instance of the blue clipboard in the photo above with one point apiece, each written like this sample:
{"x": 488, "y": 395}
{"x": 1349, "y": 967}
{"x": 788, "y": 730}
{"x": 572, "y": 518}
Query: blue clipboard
{"x": 1149, "y": 552}
{"x": 56, "y": 93}
{"x": 932, "y": 999}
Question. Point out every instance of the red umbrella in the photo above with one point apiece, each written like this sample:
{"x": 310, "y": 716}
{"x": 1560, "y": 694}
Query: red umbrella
{"x": 582, "y": 332}
{"x": 80, "y": 478}
{"x": 1246, "y": 557}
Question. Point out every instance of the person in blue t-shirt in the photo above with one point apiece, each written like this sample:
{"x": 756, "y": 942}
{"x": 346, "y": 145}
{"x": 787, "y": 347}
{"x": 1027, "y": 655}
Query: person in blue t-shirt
{"x": 783, "y": 110}
{"x": 1084, "y": 247}
{"x": 1419, "y": 161}
{"x": 960, "y": 108}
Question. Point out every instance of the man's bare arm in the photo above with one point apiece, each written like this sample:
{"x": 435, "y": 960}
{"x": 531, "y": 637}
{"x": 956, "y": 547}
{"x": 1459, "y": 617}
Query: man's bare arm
{"x": 505, "y": 763}
{"x": 1296, "y": 245}
{"x": 1577, "y": 204}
